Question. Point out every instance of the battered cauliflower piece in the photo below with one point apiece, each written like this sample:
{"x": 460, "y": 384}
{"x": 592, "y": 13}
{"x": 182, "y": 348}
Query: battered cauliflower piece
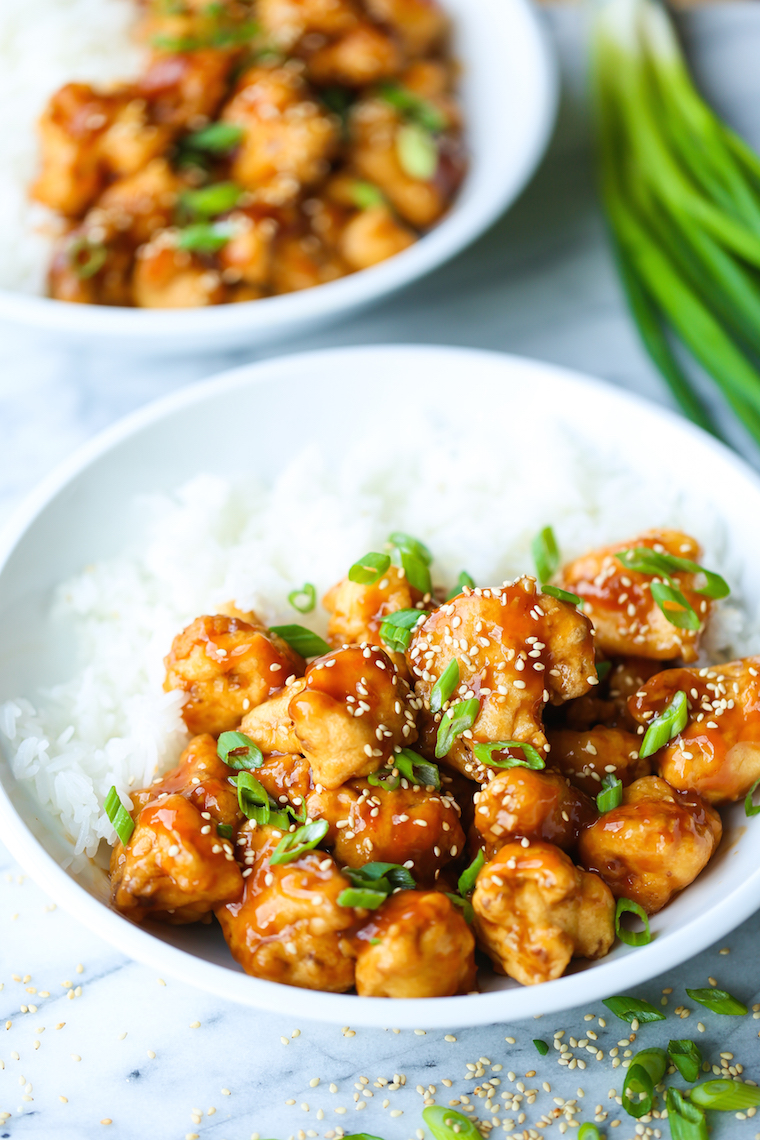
{"x": 517, "y": 650}
{"x": 653, "y": 845}
{"x": 166, "y": 277}
{"x": 269, "y": 724}
{"x": 357, "y": 611}
{"x": 70, "y": 131}
{"x": 248, "y": 255}
{"x": 361, "y": 56}
{"x": 203, "y": 779}
{"x": 288, "y": 140}
{"x": 718, "y": 752}
{"x": 287, "y": 779}
{"x": 353, "y": 712}
{"x": 535, "y": 910}
{"x": 181, "y": 89}
{"x": 372, "y": 236}
{"x": 175, "y": 867}
{"x": 287, "y": 926}
{"x": 421, "y": 25}
{"x": 416, "y": 945}
{"x": 620, "y": 604}
{"x": 284, "y": 22}
{"x": 226, "y": 665}
{"x": 585, "y": 758}
{"x": 137, "y": 205}
{"x": 418, "y": 828}
{"x": 131, "y": 140}
{"x": 542, "y": 806}
{"x": 301, "y": 261}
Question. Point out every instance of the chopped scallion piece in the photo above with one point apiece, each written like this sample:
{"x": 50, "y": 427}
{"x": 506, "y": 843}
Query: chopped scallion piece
{"x": 369, "y": 569}
{"x": 416, "y": 769}
{"x": 632, "y": 937}
{"x": 372, "y": 883}
{"x": 647, "y": 561}
{"x": 225, "y": 830}
{"x": 633, "y": 1009}
{"x": 457, "y": 719}
{"x": 468, "y": 914}
{"x": 305, "y": 599}
{"x": 238, "y": 751}
{"x": 531, "y": 757}
{"x": 414, "y": 558}
{"x": 541, "y": 1046}
{"x": 671, "y": 721}
{"x": 561, "y": 595}
{"x": 687, "y": 1059}
{"x": 589, "y": 1132}
{"x": 611, "y": 795}
{"x": 365, "y": 897}
{"x": 603, "y": 670}
{"x": 726, "y": 1096}
{"x": 253, "y": 798}
{"x": 750, "y": 808}
{"x": 217, "y": 138}
{"x": 448, "y": 1124}
{"x": 417, "y": 152}
{"x": 297, "y": 843}
{"x": 86, "y": 257}
{"x": 445, "y": 686}
{"x": 464, "y": 580}
{"x": 676, "y": 608}
{"x": 413, "y": 107}
{"x": 469, "y": 877}
{"x": 639, "y": 1084}
{"x": 204, "y": 237}
{"x": 120, "y": 818}
{"x": 209, "y": 201}
{"x": 403, "y": 541}
{"x": 302, "y": 640}
{"x": 545, "y": 554}
{"x": 396, "y": 629}
{"x": 686, "y": 1120}
{"x": 365, "y": 195}
{"x": 719, "y": 1001}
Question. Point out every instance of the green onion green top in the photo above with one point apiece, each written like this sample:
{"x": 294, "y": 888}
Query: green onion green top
{"x": 373, "y": 883}
{"x": 457, "y": 719}
{"x": 561, "y": 595}
{"x": 369, "y": 569}
{"x": 545, "y": 554}
{"x": 209, "y": 201}
{"x": 531, "y": 757}
{"x": 726, "y": 1096}
{"x": 632, "y": 937}
{"x": 750, "y": 808}
{"x": 305, "y": 599}
{"x": 302, "y": 640}
{"x": 647, "y": 561}
{"x": 719, "y": 1001}
{"x": 687, "y": 1058}
{"x": 204, "y": 237}
{"x": 464, "y": 580}
{"x": 414, "y": 108}
{"x": 611, "y": 795}
{"x": 444, "y": 686}
{"x": 448, "y": 1124}
{"x": 633, "y": 1009}
{"x": 216, "y": 138}
{"x": 541, "y": 1046}
{"x": 671, "y": 721}
{"x": 119, "y": 816}
{"x": 469, "y": 877}
{"x": 238, "y": 751}
{"x": 686, "y": 1120}
{"x": 297, "y": 843}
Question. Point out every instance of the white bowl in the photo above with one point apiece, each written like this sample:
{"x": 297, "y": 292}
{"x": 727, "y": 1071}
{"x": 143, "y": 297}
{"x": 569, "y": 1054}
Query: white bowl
{"x": 509, "y": 94}
{"x": 81, "y": 515}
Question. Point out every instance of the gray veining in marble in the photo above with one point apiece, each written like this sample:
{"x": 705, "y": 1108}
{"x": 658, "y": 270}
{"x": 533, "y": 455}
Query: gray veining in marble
{"x": 541, "y": 284}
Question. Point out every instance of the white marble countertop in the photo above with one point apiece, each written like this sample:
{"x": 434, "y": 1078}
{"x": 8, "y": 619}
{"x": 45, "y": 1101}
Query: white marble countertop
{"x": 132, "y": 1055}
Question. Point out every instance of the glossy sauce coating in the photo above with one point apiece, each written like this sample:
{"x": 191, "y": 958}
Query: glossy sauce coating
{"x": 200, "y": 777}
{"x": 585, "y": 758}
{"x": 538, "y": 806}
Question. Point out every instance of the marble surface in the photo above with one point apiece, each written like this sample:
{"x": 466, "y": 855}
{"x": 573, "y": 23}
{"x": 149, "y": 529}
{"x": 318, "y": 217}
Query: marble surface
{"x": 134, "y": 1055}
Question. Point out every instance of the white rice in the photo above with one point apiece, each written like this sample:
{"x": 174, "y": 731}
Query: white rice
{"x": 44, "y": 44}
{"x": 213, "y": 541}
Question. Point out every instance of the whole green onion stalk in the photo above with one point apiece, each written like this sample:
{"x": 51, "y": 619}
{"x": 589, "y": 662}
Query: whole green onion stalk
{"x": 682, "y": 197}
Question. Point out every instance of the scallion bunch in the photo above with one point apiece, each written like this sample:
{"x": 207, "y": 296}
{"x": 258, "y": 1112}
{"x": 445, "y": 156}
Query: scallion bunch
{"x": 682, "y": 196}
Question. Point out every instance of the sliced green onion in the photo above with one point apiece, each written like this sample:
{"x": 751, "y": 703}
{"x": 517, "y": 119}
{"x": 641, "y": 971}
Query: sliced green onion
{"x": 386, "y": 877}
{"x": 302, "y": 640}
{"x": 589, "y": 1132}
{"x": 447, "y": 1124}
{"x": 647, "y": 561}
{"x": 468, "y": 914}
{"x": 385, "y": 778}
{"x": 364, "y": 1135}
{"x": 203, "y": 237}
{"x": 396, "y": 629}
{"x": 225, "y": 830}
{"x": 561, "y": 595}
{"x": 469, "y": 877}
{"x": 749, "y": 808}
{"x": 719, "y": 1001}
{"x": 633, "y": 1009}
{"x": 296, "y": 843}
{"x": 414, "y": 558}
{"x": 363, "y": 897}
{"x": 445, "y": 686}
{"x": 413, "y": 107}
{"x": 541, "y": 1046}
{"x": 632, "y": 937}
{"x": 464, "y": 580}
{"x": 305, "y": 599}
{"x": 687, "y": 1058}
{"x": 238, "y": 751}
{"x": 253, "y": 798}
{"x": 602, "y": 670}
{"x": 365, "y": 195}
{"x": 676, "y": 608}
{"x": 86, "y": 257}
{"x": 417, "y": 769}
{"x": 531, "y": 757}
{"x": 369, "y": 569}
{"x": 120, "y": 818}
{"x": 216, "y": 138}
{"x": 686, "y": 1120}
{"x": 545, "y": 554}
{"x": 417, "y": 152}
{"x": 611, "y": 795}
{"x": 726, "y": 1096}
{"x": 665, "y": 727}
{"x": 211, "y": 200}
{"x": 456, "y": 720}
{"x": 645, "y": 1071}
{"x": 403, "y": 541}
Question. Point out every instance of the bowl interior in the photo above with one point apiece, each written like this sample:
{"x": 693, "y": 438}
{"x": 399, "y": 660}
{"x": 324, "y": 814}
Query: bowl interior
{"x": 85, "y": 513}
{"x": 508, "y": 90}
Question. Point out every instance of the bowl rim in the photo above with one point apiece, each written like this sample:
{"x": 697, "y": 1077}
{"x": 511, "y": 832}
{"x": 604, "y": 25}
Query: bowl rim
{"x": 271, "y": 316}
{"x": 629, "y": 969}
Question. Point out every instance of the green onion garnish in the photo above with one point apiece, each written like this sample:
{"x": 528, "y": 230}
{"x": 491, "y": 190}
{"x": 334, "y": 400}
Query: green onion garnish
{"x": 448, "y": 1124}
{"x": 676, "y": 608}
{"x": 645, "y": 1071}
{"x": 633, "y": 1009}
{"x": 413, "y": 767}
{"x": 719, "y": 1001}
{"x": 726, "y": 1096}
{"x": 468, "y": 914}
{"x": 302, "y": 640}
{"x": 366, "y": 897}
{"x": 403, "y": 541}
{"x": 217, "y": 138}
{"x": 211, "y": 200}
{"x": 531, "y": 757}
{"x": 686, "y": 1120}
{"x": 632, "y": 937}
{"x": 413, "y": 107}
{"x": 456, "y": 720}
{"x": 417, "y": 152}
{"x": 238, "y": 751}
{"x": 86, "y": 257}
{"x": 469, "y": 877}
{"x": 749, "y": 807}
{"x": 369, "y": 569}
{"x": 122, "y": 821}
{"x": 414, "y": 558}
{"x": 303, "y": 600}
{"x": 589, "y": 1132}
{"x": 204, "y": 237}
{"x": 255, "y": 803}
{"x": 541, "y": 1046}
{"x": 602, "y": 670}
{"x": 386, "y": 778}
{"x": 372, "y": 884}
{"x": 296, "y": 843}
{"x": 561, "y": 595}
{"x": 396, "y": 629}
{"x": 225, "y": 830}
{"x": 686, "y": 1057}
{"x": 611, "y": 795}
{"x": 647, "y": 561}
{"x": 365, "y": 195}
{"x": 463, "y": 580}
{"x": 545, "y": 554}
{"x": 671, "y": 721}
{"x": 445, "y": 686}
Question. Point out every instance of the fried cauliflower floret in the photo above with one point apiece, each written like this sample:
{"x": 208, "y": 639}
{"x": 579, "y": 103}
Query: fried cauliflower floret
{"x": 352, "y": 713}
{"x": 534, "y": 911}
{"x": 539, "y": 806}
{"x": 86, "y": 272}
{"x": 284, "y": 22}
{"x": 131, "y": 140}
{"x": 585, "y": 758}
{"x": 421, "y": 25}
{"x": 181, "y": 89}
{"x": 138, "y": 204}
{"x": 517, "y": 650}
{"x": 286, "y": 778}
{"x": 619, "y": 601}
{"x": 301, "y": 261}
{"x": 166, "y": 277}
{"x": 372, "y": 236}
{"x": 361, "y": 56}
{"x": 417, "y": 945}
{"x": 202, "y": 778}
{"x": 405, "y": 826}
{"x": 288, "y": 141}
{"x": 357, "y": 611}
{"x": 718, "y": 752}
{"x": 269, "y": 724}
{"x": 70, "y": 129}
{"x": 287, "y": 926}
{"x": 653, "y": 845}
{"x": 249, "y": 252}
{"x": 226, "y": 665}
{"x": 175, "y": 867}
